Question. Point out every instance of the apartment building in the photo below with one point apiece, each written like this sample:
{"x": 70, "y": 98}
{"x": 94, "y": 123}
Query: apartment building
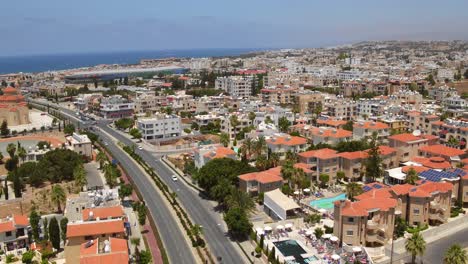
{"x": 80, "y": 144}
{"x": 232, "y": 131}
{"x": 408, "y": 144}
{"x": 452, "y": 155}
{"x": 370, "y": 220}
{"x": 294, "y": 80}
{"x": 442, "y": 92}
{"x": 353, "y": 164}
{"x": 370, "y": 107}
{"x": 260, "y": 182}
{"x": 14, "y": 233}
{"x": 333, "y": 123}
{"x": 116, "y": 106}
{"x": 181, "y": 101}
{"x": 278, "y": 95}
{"x": 237, "y": 86}
{"x": 113, "y": 250}
{"x": 272, "y": 113}
{"x": 160, "y": 126}
{"x": 309, "y": 102}
{"x": 363, "y": 129}
{"x": 451, "y": 129}
{"x": 207, "y": 104}
{"x": 352, "y": 88}
{"x": 421, "y": 121}
{"x": 203, "y": 120}
{"x": 148, "y": 102}
{"x": 326, "y": 135}
{"x": 454, "y": 103}
{"x": 282, "y": 144}
{"x": 321, "y": 161}
{"x": 340, "y": 108}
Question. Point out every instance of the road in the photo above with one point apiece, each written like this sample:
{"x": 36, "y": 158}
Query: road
{"x": 201, "y": 211}
{"x": 175, "y": 244}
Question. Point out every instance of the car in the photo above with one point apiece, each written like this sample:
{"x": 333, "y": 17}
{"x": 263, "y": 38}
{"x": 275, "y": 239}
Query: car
{"x": 42, "y": 114}
{"x": 77, "y": 113}
{"x": 140, "y": 147}
{"x": 174, "y": 178}
{"x": 105, "y": 143}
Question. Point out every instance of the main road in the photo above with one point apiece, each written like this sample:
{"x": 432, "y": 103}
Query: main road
{"x": 200, "y": 210}
{"x": 173, "y": 237}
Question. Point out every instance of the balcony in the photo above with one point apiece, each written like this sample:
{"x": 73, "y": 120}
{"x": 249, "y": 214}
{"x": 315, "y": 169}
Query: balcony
{"x": 371, "y": 225}
{"x": 375, "y": 238}
{"x": 437, "y": 217}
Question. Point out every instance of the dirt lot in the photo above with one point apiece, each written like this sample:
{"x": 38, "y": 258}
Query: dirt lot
{"x": 462, "y": 86}
{"x": 38, "y": 197}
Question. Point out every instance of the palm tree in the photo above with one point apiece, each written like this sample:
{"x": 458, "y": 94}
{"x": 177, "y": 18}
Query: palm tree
{"x": 411, "y": 176}
{"x": 234, "y": 121}
{"x": 274, "y": 159}
{"x": 240, "y": 199}
{"x": 224, "y": 139}
{"x": 11, "y": 149}
{"x": 58, "y": 196}
{"x": 287, "y": 171}
{"x": 456, "y": 255}
{"x": 79, "y": 174}
{"x": 22, "y": 153}
{"x": 110, "y": 174}
{"x": 248, "y": 147}
{"x": 353, "y": 189}
{"x": 260, "y": 145}
{"x": 101, "y": 158}
{"x": 415, "y": 245}
{"x": 196, "y": 230}
{"x": 291, "y": 156}
{"x": 261, "y": 163}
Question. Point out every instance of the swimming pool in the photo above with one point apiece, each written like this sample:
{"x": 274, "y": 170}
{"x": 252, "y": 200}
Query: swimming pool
{"x": 292, "y": 248}
{"x": 327, "y": 203}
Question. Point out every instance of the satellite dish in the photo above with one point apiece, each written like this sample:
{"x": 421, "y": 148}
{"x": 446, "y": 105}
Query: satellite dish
{"x": 416, "y": 133}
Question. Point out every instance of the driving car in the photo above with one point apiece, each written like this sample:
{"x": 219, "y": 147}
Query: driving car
{"x": 174, "y": 178}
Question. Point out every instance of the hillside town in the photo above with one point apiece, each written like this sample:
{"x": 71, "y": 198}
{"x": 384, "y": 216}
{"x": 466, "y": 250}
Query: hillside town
{"x": 348, "y": 154}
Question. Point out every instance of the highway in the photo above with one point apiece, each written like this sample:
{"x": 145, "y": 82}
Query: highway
{"x": 200, "y": 210}
{"x": 175, "y": 243}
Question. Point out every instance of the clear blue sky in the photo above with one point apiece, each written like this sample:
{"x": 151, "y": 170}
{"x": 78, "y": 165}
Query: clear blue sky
{"x": 61, "y": 26}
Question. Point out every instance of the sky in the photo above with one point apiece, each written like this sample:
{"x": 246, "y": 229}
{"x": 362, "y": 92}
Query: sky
{"x": 83, "y": 26}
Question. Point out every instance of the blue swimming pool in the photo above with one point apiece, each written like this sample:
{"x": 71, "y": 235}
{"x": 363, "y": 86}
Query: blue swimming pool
{"x": 327, "y": 203}
{"x": 292, "y": 248}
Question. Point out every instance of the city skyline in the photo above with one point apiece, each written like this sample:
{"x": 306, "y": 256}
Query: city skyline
{"x": 55, "y": 27}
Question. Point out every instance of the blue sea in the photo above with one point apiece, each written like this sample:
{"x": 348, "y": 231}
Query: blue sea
{"x": 41, "y": 63}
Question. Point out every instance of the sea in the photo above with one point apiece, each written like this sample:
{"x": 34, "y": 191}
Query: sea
{"x": 52, "y": 62}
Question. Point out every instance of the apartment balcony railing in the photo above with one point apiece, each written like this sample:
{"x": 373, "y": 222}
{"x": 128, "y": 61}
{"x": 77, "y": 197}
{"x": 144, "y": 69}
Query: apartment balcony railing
{"x": 372, "y": 225}
{"x": 437, "y": 217}
{"x": 375, "y": 238}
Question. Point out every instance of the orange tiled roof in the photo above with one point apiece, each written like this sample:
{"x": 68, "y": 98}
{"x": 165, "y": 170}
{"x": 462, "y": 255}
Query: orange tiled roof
{"x": 219, "y": 153}
{"x": 95, "y": 228}
{"x": 374, "y": 193}
{"x": 118, "y": 253}
{"x": 6, "y": 226}
{"x": 304, "y": 166}
{"x": 371, "y": 125}
{"x": 103, "y": 212}
{"x": 354, "y": 155}
{"x": 436, "y": 163}
{"x": 331, "y": 132}
{"x": 287, "y": 140}
{"x": 331, "y": 122}
{"x": 406, "y": 137}
{"x": 401, "y": 189}
{"x": 268, "y": 176}
{"x": 442, "y": 150}
{"x": 21, "y": 220}
{"x": 386, "y": 150}
{"x": 418, "y": 169}
{"x": 361, "y": 208}
{"x": 324, "y": 153}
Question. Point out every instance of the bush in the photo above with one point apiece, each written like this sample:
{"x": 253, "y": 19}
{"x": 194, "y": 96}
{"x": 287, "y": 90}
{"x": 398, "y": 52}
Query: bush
{"x": 318, "y": 232}
{"x": 328, "y": 230}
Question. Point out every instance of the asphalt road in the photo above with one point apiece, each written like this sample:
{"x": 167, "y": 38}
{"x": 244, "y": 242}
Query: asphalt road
{"x": 201, "y": 211}
{"x": 176, "y": 246}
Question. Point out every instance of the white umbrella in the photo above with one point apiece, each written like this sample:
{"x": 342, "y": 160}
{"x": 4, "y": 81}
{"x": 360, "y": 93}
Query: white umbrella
{"x": 309, "y": 232}
{"x": 267, "y": 228}
{"x": 306, "y": 190}
{"x": 322, "y": 211}
{"x": 356, "y": 249}
{"x": 296, "y": 192}
{"x": 335, "y": 257}
{"x": 333, "y": 238}
{"x": 259, "y": 230}
{"x": 327, "y": 236}
{"x": 280, "y": 227}
{"x": 288, "y": 225}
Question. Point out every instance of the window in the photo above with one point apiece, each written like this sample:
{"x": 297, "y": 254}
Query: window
{"x": 8, "y": 233}
{"x": 416, "y": 211}
{"x": 349, "y": 232}
{"x": 351, "y": 219}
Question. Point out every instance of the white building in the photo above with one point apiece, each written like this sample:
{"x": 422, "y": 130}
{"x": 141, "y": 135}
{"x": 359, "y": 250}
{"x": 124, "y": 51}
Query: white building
{"x": 236, "y": 86}
{"x": 116, "y": 106}
{"x": 454, "y": 102}
{"x": 160, "y": 126}
{"x": 80, "y": 144}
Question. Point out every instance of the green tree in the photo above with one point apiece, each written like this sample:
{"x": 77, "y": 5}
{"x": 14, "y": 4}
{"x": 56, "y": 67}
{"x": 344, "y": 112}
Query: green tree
{"x": 324, "y": 179}
{"x": 111, "y": 174}
{"x": 1, "y": 157}
{"x": 11, "y": 150}
{"x": 22, "y": 153}
{"x": 63, "y": 229}
{"x": 400, "y": 227}
{"x": 238, "y": 223}
{"x": 101, "y": 158}
{"x": 58, "y": 196}
{"x": 124, "y": 123}
{"x": 34, "y": 219}
{"x": 252, "y": 116}
{"x": 125, "y": 190}
{"x": 340, "y": 175}
{"x": 135, "y": 133}
{"x": 54, "y": 233}
{"x": 456, "y": 255}
{"x": 27, "y": 257}
{"x": 411, "y": 176}
{"x": 240, "y": 199}
{"x": 318, "y": 232}
{"x": 416, "y": 246}
{"x": 11, "y": 164}
{"x": 43, "y": 144}
{"x": 79, "y": 174}
{"x": 283, "y": 124}
{"x": 373, "y": 162}
{"x": 59, "y": 164}
{"x": 145, "y": 257}
{"x": 45, "y": 224}
{"x": 431, "y": 80}
{"x": 4, "y": 131}
{"x": 353, "y": 189}
{"x": 69, "y": 129}
{"x": 18, "y": 185}
{"x": 224, "y": 139}
{"x": 234, "y": 121}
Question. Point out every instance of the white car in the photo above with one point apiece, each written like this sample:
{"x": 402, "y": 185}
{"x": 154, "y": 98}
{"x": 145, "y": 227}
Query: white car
{"x": 174, "y": 178}
{"x": 140, "y": 147}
